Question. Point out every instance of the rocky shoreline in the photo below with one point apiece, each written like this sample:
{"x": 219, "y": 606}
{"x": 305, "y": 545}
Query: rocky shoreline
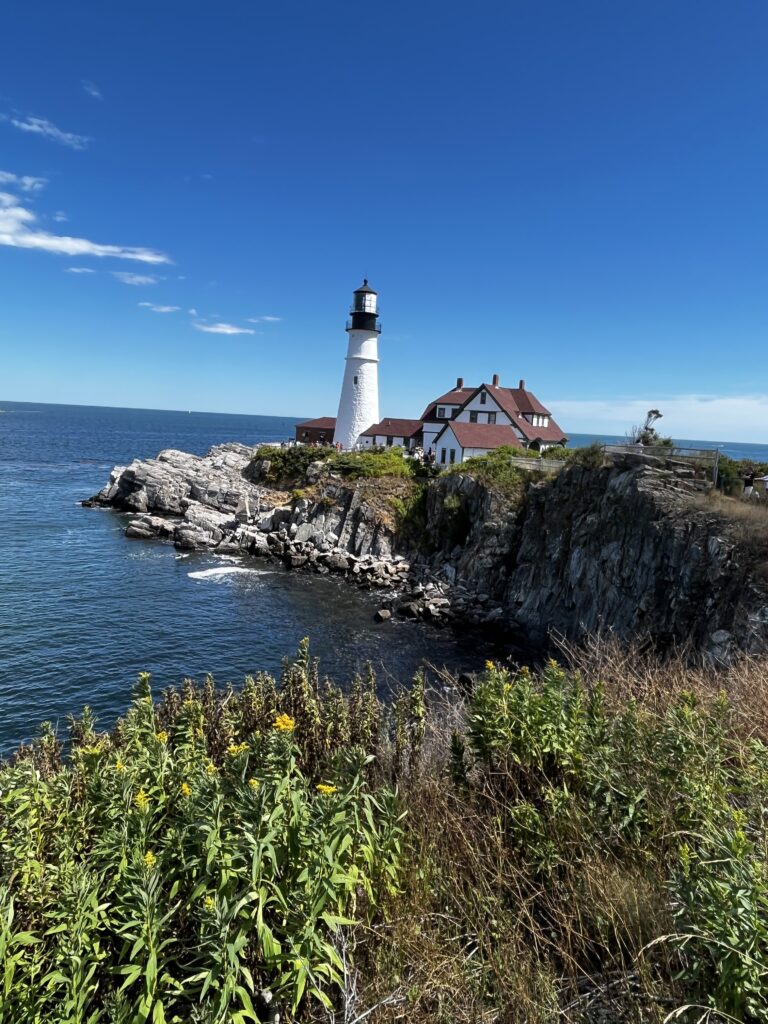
{"x": 625, "y": 547}
{"x": 204, "y": 503}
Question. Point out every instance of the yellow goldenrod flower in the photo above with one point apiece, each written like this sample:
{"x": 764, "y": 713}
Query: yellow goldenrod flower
{"x": 254, "y": 783}
{"x": 141, "y": 800}
{"x": 211, "y": 768}
{"x": 489, "y": 666}
{"x": 284, "y": 723}
{"x": 525, "y": 671}
{"x": 323, "y": 788}
{"x": 507, "y": 687}
{"x": 149, "y": 859}
{"x": 162, "y": 736}
{"x": 552, "y": 663}
{"x": 236, "y": 748}
{"x": 208, "y": 903}
{"x": 186, "y": 789}
{"x": 119, "y": 766}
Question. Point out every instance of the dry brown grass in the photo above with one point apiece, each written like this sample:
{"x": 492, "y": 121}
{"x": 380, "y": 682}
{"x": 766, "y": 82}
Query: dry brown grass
{"x": 635, "y": 671}
{"x": 745, "y": 521}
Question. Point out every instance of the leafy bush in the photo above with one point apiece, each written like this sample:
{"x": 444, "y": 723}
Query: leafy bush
{"x": 592, "y": 457}
{"x": 286, "y": 465}
{"x": 201, "y": 853}
{"x": 496, "y": 470}
{"x": 377, "y": 462}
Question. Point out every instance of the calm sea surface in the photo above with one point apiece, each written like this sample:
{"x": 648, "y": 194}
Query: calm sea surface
{"x": 83, "y": 610}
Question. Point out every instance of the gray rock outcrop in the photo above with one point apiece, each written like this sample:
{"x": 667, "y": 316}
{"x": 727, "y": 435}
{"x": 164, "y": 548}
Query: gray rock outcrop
{"x": 629, "y": 548}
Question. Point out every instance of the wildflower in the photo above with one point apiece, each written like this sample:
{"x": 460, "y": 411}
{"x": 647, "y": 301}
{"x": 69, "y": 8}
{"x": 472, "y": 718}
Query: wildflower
{"x": 254, "y": 783}
{"x": 284, "y": 723}
{"x": 208, "y": 903}
{"x": 525, "y": 671}
{"x": 552, "y": 663}
{"x": 236, "y": 748}
{"x": 162, "y": 736}
{"x": 186, "y": 789}
{"x": 211, "y": 768}
{"x": 149, "y": 859}
{"x": 119, "y": 766}
{"x": 323, "y": 788}
{"x": 507, "y": 687}
{"x": 489, "y": 666}
{"x": 141, "y": 800}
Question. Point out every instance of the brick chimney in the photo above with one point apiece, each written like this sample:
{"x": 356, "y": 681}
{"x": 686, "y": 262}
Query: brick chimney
{"x": 521, "y": 385}
{"x": 459, "y": 383}
{"x": 495, "y": 380}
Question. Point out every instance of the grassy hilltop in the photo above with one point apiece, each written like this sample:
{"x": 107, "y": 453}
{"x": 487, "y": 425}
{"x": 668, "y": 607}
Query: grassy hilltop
{"x": 568, "y": 845}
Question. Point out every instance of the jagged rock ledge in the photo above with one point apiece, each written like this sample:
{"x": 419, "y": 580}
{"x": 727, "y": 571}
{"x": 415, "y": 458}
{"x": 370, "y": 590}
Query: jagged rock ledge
{"x": 629, "y": 547}
{"x": 207, "y": 503}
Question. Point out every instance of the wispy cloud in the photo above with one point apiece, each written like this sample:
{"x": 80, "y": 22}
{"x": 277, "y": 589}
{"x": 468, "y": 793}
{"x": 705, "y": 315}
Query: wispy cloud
{"x": 193, "y": 312}
{"x": 697, "y": 417}
{"x": 138, "y": 279}
{"x": 91, "y": 89}
{"x": 264, "y": 319}
{"x": 40, "y": 126}
{"x": 24, "y": 182}
{"x": 160, "y": 309}
{"x": 223, "y": 329}
{"x": 80, "y": 270}
{"x": 60, "y": 217}
{"x": 16, "y": 229}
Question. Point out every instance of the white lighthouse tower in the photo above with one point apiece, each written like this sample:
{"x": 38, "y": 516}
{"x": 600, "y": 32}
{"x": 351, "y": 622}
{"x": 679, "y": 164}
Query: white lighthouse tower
{"x": 359, "y": 402}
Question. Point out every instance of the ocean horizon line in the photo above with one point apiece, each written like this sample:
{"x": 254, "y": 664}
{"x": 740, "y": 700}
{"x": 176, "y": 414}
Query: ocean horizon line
{"x": 596, "y": 434}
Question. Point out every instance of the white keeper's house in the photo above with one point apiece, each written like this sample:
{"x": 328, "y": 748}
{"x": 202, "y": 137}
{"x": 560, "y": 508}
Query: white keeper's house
{"x": 463, "y": 422}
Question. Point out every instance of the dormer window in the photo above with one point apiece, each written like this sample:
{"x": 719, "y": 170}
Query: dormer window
{"x": 483, "y": 397}
{"x": 441, "y": 412}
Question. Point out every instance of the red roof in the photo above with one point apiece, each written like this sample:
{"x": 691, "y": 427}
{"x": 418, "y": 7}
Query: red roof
{"x": 456, "y": 397}
{"x": 393, "y": 428}
{"x": 481, "y": 435}
{"x": 516, "y": 401}
{"x": 323, "y": 423}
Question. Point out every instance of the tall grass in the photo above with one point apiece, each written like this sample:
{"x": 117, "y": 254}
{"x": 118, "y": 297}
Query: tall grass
{"x": 572, "y": 844}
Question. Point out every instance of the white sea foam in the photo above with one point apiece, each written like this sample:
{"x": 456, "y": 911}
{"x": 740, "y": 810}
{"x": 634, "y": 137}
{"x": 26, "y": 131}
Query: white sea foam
{"x": 223, "y": 570}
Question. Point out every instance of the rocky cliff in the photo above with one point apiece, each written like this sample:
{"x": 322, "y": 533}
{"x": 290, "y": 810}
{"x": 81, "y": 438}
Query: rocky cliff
{"x": 630, "y": 547}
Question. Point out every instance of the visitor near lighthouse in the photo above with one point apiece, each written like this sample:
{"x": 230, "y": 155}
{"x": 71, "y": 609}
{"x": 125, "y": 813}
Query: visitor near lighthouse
{"x": 359, "y": 401}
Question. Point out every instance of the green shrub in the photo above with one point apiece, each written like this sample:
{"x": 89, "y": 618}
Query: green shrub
{"x": 592, "y": 457}
{"x": 497, "y": 471}
{"x": 286, "y": 465}
{"x": 558, "y": 452}
{"x": 380, "y": 462}
{"x": 206, "y": 850}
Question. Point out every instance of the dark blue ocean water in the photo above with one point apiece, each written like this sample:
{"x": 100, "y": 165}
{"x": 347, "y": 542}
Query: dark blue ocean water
{"x": 83, "y": 609}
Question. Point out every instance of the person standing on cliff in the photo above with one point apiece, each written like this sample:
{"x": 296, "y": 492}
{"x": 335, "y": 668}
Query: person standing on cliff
{"x": 749, "y": 484}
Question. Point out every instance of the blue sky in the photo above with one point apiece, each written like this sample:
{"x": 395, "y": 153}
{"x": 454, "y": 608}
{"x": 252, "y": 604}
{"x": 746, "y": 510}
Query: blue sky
{"x": 573, "y": 193}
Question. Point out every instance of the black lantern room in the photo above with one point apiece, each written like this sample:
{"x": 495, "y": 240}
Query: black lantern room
{"x": 363, "y": 311}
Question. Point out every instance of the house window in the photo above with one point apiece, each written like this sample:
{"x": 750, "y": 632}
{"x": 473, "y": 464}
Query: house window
{"x": 453, "y": 455}
{"x": 441, "y": 412}
{"x": 483, "y": 397}
{"x": 473, "y": 417}
{"x": 305, "y": 434}
{"x": 442, "y": 456}
{"x": 389, "y": 441}
{"x": 355, "y": 381}
{"x": 491, "y": 417}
